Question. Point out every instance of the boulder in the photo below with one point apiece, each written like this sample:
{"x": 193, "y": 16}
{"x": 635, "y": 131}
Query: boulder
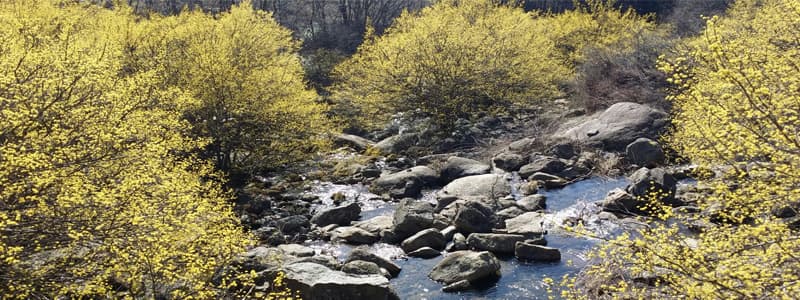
{"x": 363, "y": 253}
{"x": 646, "y": 181}
{"x": 494, "y": 242}
{"x": 260, "y": 258}
{"x": 619, "y": 201}
{"x": 562, "y": 150}
{"x": 427, "y": 238}
{"x": 341, "y": 215}
{"x": 353, "y": 141}
{"x": 361, "y": 267}
{"x": 533, "y": 202}
{"x": 530, "y": 251}
{"x": 457, "y": 167}
{"x": 296, "y": 250}
{"x": 529, "y": 188}
{"x": 550, "y": 181}
{"x": 354, "y": 235}
{"x": 618, "y": 126}
{"x": 325, "y": 260}
{"x": 459, "y": 243}
{"x": 522, "y": 146}
{"x": 376, "y": 225}
{"x": 529, "y": 224}
{"x": 491, "y": 186}
{"x": 412, "y": 216}
{"x": 406, "y": 183}
{"x": 473, "y": 217}
{"x": 509, "y": 161}
{"x": 425, "y": 252}
{"x": 645, "y": 152}
{"x": 448, "y": 232}
{"x": 466, "y": 265}
{"x": 508, "y": 213}
{"x": 543, "y": 164}
{"x": 396, "y": 144}
{"x": 318, "y": 282}
{"x": 293, "y": 224}
{"x": 575, "y": 172}
{"x": 269, "y": 235}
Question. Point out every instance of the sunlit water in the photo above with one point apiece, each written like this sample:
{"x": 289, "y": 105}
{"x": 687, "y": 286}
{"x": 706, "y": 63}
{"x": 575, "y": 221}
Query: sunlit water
{"x": 519, "y": 280}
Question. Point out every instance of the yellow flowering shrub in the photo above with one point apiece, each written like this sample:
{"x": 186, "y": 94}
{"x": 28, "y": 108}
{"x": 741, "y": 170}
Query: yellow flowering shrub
{"x": 99, "y": 193}
{"x": 245, "y": 70}
{"x": 737, "y": 104}
{"x": 596, "y": 24}
{"x": 452, "y": 59}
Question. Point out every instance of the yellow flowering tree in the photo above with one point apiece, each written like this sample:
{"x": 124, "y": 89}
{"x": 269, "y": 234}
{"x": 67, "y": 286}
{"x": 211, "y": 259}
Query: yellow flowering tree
{"x": 452, "y": 59}
{"x": 595, "y": 24}
{"x": 99, "y": 193}
{"x": 244, "y": 68}
{"x": 737, "y": 105}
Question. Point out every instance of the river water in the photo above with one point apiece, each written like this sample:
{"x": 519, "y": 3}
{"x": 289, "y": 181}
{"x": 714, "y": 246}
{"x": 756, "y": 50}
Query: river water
{"x": 519, "y": 280}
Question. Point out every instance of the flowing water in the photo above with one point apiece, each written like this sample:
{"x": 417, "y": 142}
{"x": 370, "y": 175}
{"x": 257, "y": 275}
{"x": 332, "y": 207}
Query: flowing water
{"x": 519, "y": 280}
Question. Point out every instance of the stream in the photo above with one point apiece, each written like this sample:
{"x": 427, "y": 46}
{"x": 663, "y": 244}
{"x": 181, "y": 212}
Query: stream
{"x": 519, "y": 280}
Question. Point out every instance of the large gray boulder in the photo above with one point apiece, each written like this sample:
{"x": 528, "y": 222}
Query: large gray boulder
{"x": 534, "y": 252}
{"x": 354, "y": 235}
{"x": 620, "y": 201}
{"x": 397, "y": 143}
{"x": 488, "y": 185}
{"x": 645, "y": 152}
{"x": 427, "y": 238}
{"x": 322, "y": 259}
{"x": 522, "y": 146}
{"x": 529, "y": 224}
{"x": 341, "y": 215}
{"x": 361, "y": 267}
{"x": 494, "y": 242}
{"x": 533, "y": 202}
{"x": 466, "y": 265}
{"x": 260, "y": 258}
{"x": 364, "y": 254}
{"x": 473, "y": 217}
{"x": 645, "y": 182}
{"x": 296, "y": 250}
{"x": 457, "y": 167}
{"x": 412, "y": 216}
{"x": 318, "y": 282}
{"x": 618, "y": 126}
{"x": 293, "y": 224}
{"x": 508, "y": 161}
{"x": 544, "y": 164}
{"x": 508, "y": 213}
{"x": 406, "y": 183}
{"x": 376, "y": 225}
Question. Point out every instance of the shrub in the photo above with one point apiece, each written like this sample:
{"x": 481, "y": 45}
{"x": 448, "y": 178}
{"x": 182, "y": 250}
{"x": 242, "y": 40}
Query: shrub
{"x": 99, "y": 194}
{"x": 244, "y": 68}
{"x": 611, "y": 53}
{"x": 736, "y": 104}
{"x": 451, "y": 60}
{"x": 615, "y": 74}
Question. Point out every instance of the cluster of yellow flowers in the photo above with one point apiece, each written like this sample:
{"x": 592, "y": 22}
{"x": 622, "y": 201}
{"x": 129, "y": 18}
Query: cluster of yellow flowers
{"x": 103, "y": 116}
{"x": 458, "y": 59}
{"x": 736, "y": 104}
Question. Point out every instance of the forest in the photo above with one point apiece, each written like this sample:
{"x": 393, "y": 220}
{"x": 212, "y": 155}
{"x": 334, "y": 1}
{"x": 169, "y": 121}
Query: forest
{"x": 399, "y": 149}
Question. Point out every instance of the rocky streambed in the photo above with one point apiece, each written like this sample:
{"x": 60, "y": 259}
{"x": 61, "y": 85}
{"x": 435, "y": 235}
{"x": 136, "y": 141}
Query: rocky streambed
{"x": 447, "y": 226}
